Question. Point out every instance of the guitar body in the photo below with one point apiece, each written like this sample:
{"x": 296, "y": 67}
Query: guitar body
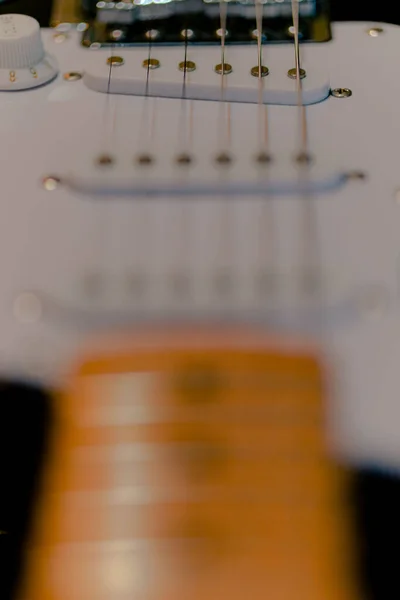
{"x": 247, "y": 307}
{"x": 92, "y": 265}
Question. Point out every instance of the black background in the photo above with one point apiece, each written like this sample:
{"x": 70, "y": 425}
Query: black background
{"x": 25, "y": 413}
{"x": 342, "y": 10}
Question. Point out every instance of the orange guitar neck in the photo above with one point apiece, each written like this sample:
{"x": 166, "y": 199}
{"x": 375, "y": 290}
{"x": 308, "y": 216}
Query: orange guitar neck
{"x": 192, "y": 466}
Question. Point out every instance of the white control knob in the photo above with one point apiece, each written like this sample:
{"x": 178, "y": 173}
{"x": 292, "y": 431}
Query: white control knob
{"x": 24, "y": 63}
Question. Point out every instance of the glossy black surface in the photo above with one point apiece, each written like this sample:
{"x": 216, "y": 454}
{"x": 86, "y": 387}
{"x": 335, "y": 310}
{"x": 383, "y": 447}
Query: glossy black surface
{"x": 40, "y": 9}
{"x": 377, "y": 517}
{"x": 204, "y": 26}
{"x": 24, "y": 420}
{"x": 341, "y": 10}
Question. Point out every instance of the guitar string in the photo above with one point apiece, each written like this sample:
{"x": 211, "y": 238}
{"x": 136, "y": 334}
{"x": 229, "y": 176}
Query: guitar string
{"x": 309, "y": 252}
{"x": 187, "y": 106}
{"x": 309, "y": 291}
{"x": 225, "y": 116}
{"x": 182, "y": 130}
{"x": 110, "y": 523}
{"x": 140, "y": 276}
{"x": 92, "y": 284}
{"x": 148, "y": 115}
{"x": 266, "y": 230}
{"x": 141, "y": 226}
{"x": 302, "y": 116}
{"x": 301, "y": 149}
{"x": 182, "y": 279}
{"x": 225, "y": 207}
{"x": 263, "y": 110}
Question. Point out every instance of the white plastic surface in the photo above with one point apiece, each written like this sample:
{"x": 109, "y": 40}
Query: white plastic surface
{"x": 82, "y": 259}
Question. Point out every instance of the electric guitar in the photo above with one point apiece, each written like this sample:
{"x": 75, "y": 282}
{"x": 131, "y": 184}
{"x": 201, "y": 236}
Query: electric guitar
{"x": 201, "y": 204}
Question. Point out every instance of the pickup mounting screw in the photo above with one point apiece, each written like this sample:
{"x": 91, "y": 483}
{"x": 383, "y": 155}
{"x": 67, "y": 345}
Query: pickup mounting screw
{"x": 223, "y": 69}
{"x": 341, "y": 93}
{"x": 115, "y": 61}
{"x": 375, "y": 31}
{"x": 151, "y": 63}
{"x": 292, "y": 73}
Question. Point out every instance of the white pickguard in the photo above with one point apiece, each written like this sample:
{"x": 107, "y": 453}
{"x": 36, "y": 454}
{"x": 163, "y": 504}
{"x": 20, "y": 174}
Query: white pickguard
{"x": 51, "y": 242}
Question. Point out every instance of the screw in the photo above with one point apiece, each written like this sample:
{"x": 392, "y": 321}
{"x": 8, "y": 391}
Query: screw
{"x": 187, "y": 65}
{"x": 375, "y": 31}
{"x": 50, "y": 183}
{"x": 117, "y": 34}
{"x": 292, "y": 73}
{"x": 115, "y": 61}
{"x": 59, "y": 38}
{"x": 81, "y": 27}
{"x": 259, "y": 71}
{"x": 187, "y": 34}
{"x": 151, "y": 63}
{"x": 105, "y": 160}
{"x": 152, "y": 34}
{"x": 184, "y": 159}
{"x": 224, "y": 158}
{"x": 341, "y": 93}
{"x": 223, "y": 69}
{"x": 263, "y": 158}
{"x": 72, "y": 76}
{"x": 356, "y": 176}
{"x": 303, "y": 158}
{"x": 145, "y": 159}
